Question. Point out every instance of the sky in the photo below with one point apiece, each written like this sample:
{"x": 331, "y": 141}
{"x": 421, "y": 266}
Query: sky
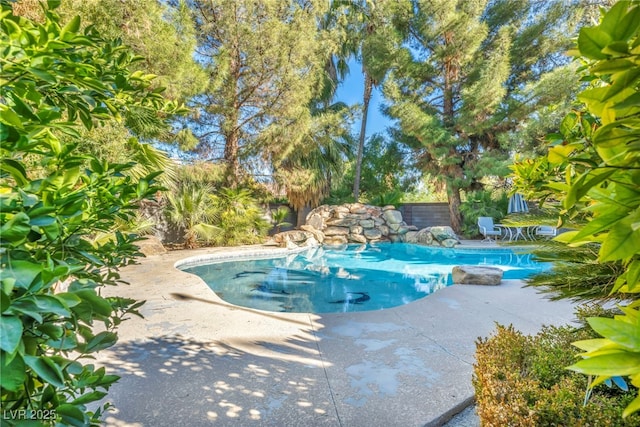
{"x": 350, "y": 92}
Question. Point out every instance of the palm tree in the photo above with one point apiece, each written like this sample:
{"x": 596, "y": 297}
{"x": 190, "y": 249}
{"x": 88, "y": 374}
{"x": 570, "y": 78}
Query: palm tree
{"x": 307, "y": 173}
{"x": 190, "y": 208}
{"x": 377, "y": 30}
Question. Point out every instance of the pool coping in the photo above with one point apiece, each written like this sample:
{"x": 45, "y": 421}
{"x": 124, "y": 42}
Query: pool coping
{"x": 423, "y": 352}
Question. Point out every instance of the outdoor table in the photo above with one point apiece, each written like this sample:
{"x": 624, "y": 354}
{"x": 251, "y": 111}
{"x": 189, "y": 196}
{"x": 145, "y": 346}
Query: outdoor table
{"x": 519, "y": 232}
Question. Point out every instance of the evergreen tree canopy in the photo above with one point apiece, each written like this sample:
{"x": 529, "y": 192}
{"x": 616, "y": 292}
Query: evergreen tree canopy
{"x": 471, "y": 72}
{"x": 265, "y": 61}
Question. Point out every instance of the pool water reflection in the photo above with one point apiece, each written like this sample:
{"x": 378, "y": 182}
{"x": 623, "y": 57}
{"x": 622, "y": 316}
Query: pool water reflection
{"x": 350, "y": 278}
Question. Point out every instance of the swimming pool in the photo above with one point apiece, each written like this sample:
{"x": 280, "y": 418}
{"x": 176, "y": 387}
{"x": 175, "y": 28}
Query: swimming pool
{"x": 350, "y": 278}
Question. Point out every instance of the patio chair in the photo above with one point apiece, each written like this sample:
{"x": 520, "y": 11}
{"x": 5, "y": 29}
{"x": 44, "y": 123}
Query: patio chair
{"x": 488, "y": 228}
{"x": 546, "y": 231}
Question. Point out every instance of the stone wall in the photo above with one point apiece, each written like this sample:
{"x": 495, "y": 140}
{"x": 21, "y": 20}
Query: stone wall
{"x": 358, "y": 223}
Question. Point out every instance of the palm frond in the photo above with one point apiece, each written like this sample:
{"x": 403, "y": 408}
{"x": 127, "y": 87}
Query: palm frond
{"x": 576, "y": 274}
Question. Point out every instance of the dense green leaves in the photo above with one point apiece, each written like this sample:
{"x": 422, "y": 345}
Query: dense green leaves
{"x": 472, "y": 78}
{"x": 596, "y": 174}
{"x": 265, "y": 61}
{"x": 55, "y": 80}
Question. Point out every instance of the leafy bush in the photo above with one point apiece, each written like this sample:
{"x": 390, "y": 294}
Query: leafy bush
{"x": 522, "y": 381}
{"x": 239, "y": 218}
{"x": 279, "y": 218}
{"x": 55, "y": 214}
{"x": 599, "y": 153}
{"x": 190, "y": 209}
{"x": 393, "y": 198}
{"x": 207, "y": 213}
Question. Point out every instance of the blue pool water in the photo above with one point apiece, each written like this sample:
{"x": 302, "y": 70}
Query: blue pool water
{"x": 351, "y": 278}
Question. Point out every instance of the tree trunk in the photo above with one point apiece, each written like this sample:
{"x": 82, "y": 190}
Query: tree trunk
{"x": 301, "y": 216}
{"x": 231, "y": 158}
{"x": 231, "y": 117}
{"x": 368, "y": 87}
{"x": 454, "y": 199}
{"x": 453, "y": 191}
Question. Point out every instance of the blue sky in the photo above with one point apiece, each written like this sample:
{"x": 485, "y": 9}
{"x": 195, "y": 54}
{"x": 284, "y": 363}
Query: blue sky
{"x": 350, "y": 92}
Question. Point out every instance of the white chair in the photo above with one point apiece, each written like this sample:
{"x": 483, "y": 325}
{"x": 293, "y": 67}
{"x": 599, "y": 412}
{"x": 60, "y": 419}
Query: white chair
{"x": 488, "y": 228}
{"x": 546, "y": 231}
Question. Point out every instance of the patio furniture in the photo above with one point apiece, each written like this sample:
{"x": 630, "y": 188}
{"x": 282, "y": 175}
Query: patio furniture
{"x": 546, "y": 231}
{"x": 488, "y": 228}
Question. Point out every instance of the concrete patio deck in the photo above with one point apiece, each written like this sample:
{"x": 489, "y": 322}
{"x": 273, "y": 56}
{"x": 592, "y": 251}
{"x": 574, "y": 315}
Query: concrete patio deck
{"x": 196, "y": 360}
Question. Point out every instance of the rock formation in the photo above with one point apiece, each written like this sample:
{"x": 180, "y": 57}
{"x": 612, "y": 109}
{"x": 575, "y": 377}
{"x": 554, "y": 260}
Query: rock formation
{"x": 359, "y": 223}
{"x": 476, "y": 275}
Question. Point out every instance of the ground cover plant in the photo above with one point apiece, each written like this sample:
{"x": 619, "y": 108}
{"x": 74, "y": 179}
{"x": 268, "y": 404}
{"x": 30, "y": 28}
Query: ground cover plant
{"x": 59, "y": 211}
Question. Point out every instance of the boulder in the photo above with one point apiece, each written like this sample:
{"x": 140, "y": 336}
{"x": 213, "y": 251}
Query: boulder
{"x": 410, "y": 237}
{"x": 315, "y": 221}
{"x": 358, "y": 208}
{"x": 424, "y": 237}
{"x": 392, "y": 216}
{"x": 366, "y": 223}
{"x": 350, "y": 221}
{"x": 295, "y": 236}
{"x": 476, "y": 275}
{"x": 441, "y": 233}
{"x": 372, "y": 233}
{"x": 151, "y": 245}
{"x": 356, "y": 229}
{"x": 357, "y": 238}
{"x": 316, "y": 232}
{"x": 394, "y": 227}
{"x": 335, "y": 240}
{"x": 449, "y": 243}
{"x": 342, "y": 222}
{"x": 336, "y": 231}
{"x": 311, "y": 242}
{"x": 402, "y": 230}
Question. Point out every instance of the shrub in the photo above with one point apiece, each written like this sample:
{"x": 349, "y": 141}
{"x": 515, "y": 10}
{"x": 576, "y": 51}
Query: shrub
{"x": 522, "y": 381}
{"x": 59, "y": 213}
{"x": 239, "y": 218}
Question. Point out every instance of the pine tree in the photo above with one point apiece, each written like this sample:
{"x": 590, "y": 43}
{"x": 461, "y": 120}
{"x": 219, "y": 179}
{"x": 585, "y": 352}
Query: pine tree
{"x": 161, "y": 34}
{"x": 472, "y": 71}
{"x": 264, "y": 60}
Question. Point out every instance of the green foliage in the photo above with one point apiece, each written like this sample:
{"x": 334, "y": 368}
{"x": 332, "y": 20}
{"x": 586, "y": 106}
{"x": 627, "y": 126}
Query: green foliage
{"x": 468, "y": 77}
{"x": 138, "y": 24}
{"x": 239, "y": 218}
{"x": 207, "y": 215}
{"x": 265, "y": 61}
{"x": 521, "y": 380}
{"x": 386, "y": 171}
{"x": 57, "y": 80}
{"x": 375, "y": 31}
{"x": 482, "y": 203}
{"x": 190, "y": 209}
{"x": 308, "y": 171}
{"x": 576, "y": 274}
{"x": 597, "y": 157}
{"x": 393, "y": 198}
{"x": 279, "y": 218}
